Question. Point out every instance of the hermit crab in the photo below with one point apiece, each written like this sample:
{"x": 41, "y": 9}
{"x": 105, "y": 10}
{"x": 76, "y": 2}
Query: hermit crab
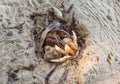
{"x": 70, "y": 49}
{"x": 59, "y": 46}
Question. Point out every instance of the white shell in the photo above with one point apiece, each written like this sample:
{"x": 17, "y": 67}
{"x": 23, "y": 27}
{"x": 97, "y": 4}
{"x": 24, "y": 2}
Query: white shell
{"x": 58, "y": 13}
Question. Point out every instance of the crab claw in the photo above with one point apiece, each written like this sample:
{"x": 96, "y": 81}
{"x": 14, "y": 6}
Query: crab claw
{"x": 60, "y": 50}
{"x": 73, "y": 46}
{"x": 70, "y": 43}
{"x": 67, "y": 50}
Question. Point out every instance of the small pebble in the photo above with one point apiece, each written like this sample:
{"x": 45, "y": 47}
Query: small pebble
{"x": 58, "y": 13}
{"x": 10, "y": 33}
{"x": 31, "y": 67}
{"x": 40, "y": 1}
{"x": 21, "y": 31}
{"x": 1, "y": 20}
{"x": 56, "y": 25}
{"x": 10, "y": 80}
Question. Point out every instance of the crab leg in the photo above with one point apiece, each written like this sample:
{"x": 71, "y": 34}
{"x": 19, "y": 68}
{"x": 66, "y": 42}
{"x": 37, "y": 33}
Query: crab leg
{"x": 69, "y": 50}
{"x": 60, "y": 50}
{"x": 74, "y": 38}
{"x": 61, "y": 59}
{"x": 73, "y": 46}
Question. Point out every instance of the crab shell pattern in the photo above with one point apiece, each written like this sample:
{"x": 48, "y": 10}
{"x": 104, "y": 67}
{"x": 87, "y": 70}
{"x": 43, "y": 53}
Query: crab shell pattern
{"x": 60, "y": 46}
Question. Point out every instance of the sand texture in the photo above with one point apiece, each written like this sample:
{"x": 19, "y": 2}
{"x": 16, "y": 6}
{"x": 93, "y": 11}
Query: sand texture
{"x": 99, "y": 62}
